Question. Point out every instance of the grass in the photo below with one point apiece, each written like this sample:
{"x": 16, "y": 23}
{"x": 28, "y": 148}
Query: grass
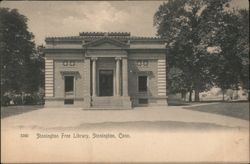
{"x": 233, "y": 109}
{"x": 15, "y": 110}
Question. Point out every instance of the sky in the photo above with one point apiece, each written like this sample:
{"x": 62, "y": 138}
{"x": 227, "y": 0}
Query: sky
{"x": 68, "y": 18}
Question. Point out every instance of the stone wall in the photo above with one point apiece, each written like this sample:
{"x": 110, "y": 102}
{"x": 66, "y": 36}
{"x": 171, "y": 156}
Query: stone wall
{"x": 155, "y": 93}
{"x": 60, "y": 70}
{"x": 59, "y": 79}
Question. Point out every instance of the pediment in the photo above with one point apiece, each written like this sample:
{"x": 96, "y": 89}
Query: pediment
{"x": 105, "y": 43}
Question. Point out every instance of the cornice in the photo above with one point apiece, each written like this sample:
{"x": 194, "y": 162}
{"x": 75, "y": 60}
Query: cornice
{"x": 82, "y": 50}
{"x": 147, "y": 50}
{"x": 90, "y": 38}
{"x": 63, "y": 50}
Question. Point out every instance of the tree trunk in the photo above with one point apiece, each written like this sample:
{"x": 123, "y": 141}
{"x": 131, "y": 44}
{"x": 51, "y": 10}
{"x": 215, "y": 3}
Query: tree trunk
{"x": 196, "y": 96}
{"x": 183, "y": 96}
{"x": 223, "y": 95}
{"x": 248, "y": 97}
{"x": 190, "y": 96}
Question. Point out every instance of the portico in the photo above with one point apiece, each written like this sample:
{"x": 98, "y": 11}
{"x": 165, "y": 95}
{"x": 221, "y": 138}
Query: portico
{"x": 103, "y": 69}
{"x": 109, "y": 79}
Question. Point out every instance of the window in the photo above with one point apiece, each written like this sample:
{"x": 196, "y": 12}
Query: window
{"x": 65, "y": 63}
{"x": 69, "y": 85}
{"x": 143, "y": 101}
{"x": 72, "y": 63}
{"x": 68, "y": 101}
{"x": 142, "y": 83}
{"x": 139, "y": 62}
{"x": 145, "y": 63}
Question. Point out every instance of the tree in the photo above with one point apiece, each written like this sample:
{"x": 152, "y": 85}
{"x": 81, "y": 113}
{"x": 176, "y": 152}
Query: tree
{"x": 232, "y": 64}
{"x": 17, "y": 49}
{"x": 189, "y": 27}
{"x": 178, "y": 82}
{"x": 243, "y": 47}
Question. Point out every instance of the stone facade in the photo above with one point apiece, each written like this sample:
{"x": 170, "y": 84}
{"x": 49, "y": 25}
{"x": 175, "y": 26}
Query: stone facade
{"x": 105, "y": 70}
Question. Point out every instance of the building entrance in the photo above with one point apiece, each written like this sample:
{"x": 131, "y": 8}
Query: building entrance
{"x": 106, "y": 83}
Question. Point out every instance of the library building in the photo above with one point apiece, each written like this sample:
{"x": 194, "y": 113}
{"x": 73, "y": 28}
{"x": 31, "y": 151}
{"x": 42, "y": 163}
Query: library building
{"x": 105, "y": 70}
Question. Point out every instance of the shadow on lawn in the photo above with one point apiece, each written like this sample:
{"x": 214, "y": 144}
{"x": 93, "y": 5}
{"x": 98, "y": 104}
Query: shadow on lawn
{"x": 145, "y": 126}
{"x": 232, "y": 109}
{"x": 15, "y": 110}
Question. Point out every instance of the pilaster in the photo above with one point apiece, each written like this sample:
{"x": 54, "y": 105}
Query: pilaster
{"x": 124, "y": 76}
{"x": 87, "y": 84}
{"x": 94, "y": 76}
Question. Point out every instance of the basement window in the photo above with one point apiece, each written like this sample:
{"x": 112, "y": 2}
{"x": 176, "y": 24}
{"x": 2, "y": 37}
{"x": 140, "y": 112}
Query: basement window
{"x": 68, "y": 101}
{"x": 143, "y": 101}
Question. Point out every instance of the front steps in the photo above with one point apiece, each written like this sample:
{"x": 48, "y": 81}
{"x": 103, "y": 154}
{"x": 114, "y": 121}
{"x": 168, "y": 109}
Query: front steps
{"x": 111, "y": 102}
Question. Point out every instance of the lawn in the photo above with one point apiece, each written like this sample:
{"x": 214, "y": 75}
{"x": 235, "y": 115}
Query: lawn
{"x": 233, "y": 109}
{"x": 15, "y": 110}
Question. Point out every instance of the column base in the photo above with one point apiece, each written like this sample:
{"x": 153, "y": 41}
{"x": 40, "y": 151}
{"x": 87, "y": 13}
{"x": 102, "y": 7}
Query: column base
{"x": 87, "y": 102}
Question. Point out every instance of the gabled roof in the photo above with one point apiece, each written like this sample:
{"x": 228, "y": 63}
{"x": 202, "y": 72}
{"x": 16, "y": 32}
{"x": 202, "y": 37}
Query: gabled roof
{"x": 103, "y": 40}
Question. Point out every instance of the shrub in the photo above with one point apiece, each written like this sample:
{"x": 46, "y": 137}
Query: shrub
{"x": 5, "y": 100}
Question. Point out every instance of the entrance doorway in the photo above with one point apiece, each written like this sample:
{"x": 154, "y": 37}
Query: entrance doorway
{"x": 106, "y": 83}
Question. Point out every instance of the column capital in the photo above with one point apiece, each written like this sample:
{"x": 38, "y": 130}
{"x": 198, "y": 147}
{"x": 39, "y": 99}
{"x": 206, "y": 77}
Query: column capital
{"x": 94, "y": 58}
{"x": 118, "y": 58}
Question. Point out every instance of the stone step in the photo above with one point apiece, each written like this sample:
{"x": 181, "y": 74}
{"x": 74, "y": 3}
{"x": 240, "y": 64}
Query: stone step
{"x": 108, "y": 103}
{"x": 108, "y": 108}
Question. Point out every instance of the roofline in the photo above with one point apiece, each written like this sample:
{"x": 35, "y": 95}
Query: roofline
{"x": 104, "y": 34}
{"x": 81, "y": 50}
{"x": 81, "y": 38}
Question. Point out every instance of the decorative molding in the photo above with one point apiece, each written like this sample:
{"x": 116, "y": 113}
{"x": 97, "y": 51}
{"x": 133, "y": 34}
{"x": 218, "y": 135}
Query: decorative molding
{"x": 142, "y": 63}
{"x": 148, "y": 73}
{"x": 76, "y": 74}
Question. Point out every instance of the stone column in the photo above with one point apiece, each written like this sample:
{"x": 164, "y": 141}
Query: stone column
{"x": 125, "y": 76}
{"x": 93, "y": 76}
{"x": 118, "y": 76}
